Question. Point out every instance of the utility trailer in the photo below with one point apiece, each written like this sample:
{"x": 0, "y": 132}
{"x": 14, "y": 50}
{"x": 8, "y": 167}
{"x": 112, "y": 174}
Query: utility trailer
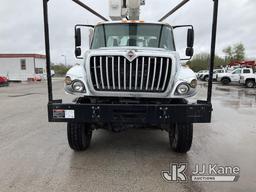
{"x": 137, "y": 80}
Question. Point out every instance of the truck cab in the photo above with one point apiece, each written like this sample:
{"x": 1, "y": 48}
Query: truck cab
{"x": 131, "y": 59}
{"x": 248, "y": 79}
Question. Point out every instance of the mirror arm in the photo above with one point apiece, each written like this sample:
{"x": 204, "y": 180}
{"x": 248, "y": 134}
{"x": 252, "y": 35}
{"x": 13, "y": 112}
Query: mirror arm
{"x": 186, "y": 59}
{"x": 179, "y": 26}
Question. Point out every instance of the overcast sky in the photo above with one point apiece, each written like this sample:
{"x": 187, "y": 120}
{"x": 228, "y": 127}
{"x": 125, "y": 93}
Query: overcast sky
{"x": 21, "y": 29}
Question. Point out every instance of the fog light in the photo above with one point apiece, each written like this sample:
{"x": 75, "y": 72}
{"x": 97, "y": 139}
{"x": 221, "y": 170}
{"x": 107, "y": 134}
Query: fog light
{"x": 183, "y": 89}
{"x": 78, "y": 86}
{"x": 193, "y": 83}
{"x": 68, "y": 80}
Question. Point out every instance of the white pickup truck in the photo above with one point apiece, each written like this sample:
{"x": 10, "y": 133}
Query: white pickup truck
{"x": 234, "y": 76}
{"x": 249, "y": 80}
{"x": 204, "y": 74}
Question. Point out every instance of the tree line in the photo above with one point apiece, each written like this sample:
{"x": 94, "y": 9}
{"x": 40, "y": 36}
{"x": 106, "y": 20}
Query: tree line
{"x": 60, "y": 69}
{"x": 232, "y": 53}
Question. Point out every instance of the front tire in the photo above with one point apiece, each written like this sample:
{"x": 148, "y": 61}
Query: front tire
{"x": 250, "y": 83}
{"x": 79, "y": 136}
{"x": 181, "y": 136}
{"x": 206, "y": 78}
{"x": 225, "y": 81}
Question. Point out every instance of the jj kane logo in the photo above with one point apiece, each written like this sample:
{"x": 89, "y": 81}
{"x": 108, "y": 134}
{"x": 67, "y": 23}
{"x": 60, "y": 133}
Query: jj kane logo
{"x": 202, "y": 173}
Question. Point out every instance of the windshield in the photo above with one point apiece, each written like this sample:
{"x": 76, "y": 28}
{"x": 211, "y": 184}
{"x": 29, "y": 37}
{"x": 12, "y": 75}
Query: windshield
{"x": 133, "y": 34}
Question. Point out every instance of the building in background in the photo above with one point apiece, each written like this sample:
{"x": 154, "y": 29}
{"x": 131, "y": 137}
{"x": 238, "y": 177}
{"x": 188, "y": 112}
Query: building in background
{"x": 22, "y": 67}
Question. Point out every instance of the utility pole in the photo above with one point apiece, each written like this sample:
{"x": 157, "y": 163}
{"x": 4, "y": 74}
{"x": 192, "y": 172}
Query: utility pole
{"x": 65, "y": 57}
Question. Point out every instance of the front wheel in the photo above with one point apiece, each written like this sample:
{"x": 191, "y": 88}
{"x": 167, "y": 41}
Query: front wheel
{"x": 206, "y": 78}
{"x": 79, "y": 136}
{"x": 250, "y": 83}
{"x": 225, "y": 81}
{"x": 181, "y": 136}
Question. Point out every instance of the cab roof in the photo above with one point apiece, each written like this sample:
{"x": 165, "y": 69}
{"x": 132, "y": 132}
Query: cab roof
{"x": 132, "y": 21}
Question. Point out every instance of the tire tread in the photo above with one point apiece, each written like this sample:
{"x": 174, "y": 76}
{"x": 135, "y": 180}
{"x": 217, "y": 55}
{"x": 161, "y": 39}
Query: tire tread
{"x": 79, "y": 137}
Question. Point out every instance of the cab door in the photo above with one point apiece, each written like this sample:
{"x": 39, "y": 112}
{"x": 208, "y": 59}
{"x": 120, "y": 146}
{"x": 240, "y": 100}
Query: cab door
{"x": 235, "y": 76}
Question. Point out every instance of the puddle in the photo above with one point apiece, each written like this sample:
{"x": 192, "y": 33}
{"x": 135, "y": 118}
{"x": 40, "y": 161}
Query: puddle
{"x": 236, "y": 97}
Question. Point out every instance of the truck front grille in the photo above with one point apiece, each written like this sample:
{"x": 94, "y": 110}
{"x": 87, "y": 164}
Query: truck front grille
{"x": 143, "y": 74}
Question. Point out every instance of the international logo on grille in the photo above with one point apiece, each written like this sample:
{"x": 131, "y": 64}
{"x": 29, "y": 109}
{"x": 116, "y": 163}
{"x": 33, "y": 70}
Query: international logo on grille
{"x": 131, "y": 55}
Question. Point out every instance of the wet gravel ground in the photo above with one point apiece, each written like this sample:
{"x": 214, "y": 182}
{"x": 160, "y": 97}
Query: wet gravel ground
{"x": 34, "y": 154}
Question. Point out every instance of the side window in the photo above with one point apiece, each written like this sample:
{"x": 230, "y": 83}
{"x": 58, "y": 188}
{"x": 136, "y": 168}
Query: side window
{"x": 99, "y": 38}
{"x": 167, "y": 40}
{"x": 247, "y": 71}
{"x": 39, "y": 70}
{"x": 237, "y": 71}
{"x": 23, "y": 64}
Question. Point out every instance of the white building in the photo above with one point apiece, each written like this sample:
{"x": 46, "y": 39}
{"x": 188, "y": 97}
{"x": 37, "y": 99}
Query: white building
{"x": 22, "y": 67}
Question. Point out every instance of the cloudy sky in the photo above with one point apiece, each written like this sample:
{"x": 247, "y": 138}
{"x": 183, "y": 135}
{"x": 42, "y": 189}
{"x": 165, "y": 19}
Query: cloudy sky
{"x": 21, "y": 29}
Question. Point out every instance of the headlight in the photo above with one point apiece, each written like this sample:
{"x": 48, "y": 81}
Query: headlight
{"x": 68, "y": 80}
{"x": 183, "y": 89}
{"x": 78, "y": 86}
{"x": 193, "y": 83}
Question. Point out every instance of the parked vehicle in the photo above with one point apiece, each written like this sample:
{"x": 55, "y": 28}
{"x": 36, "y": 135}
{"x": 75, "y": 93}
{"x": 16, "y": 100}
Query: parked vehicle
{"x": 216, "y": 72}
{"x": 201, "y": 74}
{"x": 37, "y": 77}
{"x": 248, "y": 79}
{"x": 234, "y": 76}
{"x": 204, "y": 74}
{"x": 3, "y": 81}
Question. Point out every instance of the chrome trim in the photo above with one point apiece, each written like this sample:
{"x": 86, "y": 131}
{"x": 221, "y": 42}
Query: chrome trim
{"x": 136, "y": 73}
{"x": 130, "y": 85}
{"x": 160, "y": 74}
{"x": 124, "y": 74}
{"x": 168, "y": 92}
{"x": 119, "y": 78}
{"x": 149, "y": 63}
{"x": 113, "y": 72}
{"x": 166, "y": 73}
{"x": 154, "y": 75}
{"x": 101, "y": 74}
{"x": 142, "y": 73}
{"x": 95, "y": 73}
{"x": 107, "y": 74}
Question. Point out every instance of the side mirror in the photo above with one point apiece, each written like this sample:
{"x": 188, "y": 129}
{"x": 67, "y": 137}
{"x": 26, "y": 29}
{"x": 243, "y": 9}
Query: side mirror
{"x": 79, "y": 44}
{"x": 189, "y": 51}
{"x": 78, "y": 37}
{"x": 190, "y": 38}
{"x": 78, "y": 52}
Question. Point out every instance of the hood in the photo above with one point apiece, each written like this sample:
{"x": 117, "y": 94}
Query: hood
{"x": 124, "y": 51}
{"x": 134, "y": 48}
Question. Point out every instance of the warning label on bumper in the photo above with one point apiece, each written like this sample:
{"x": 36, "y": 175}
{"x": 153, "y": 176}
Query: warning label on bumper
{"x": 63, "y": 114}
